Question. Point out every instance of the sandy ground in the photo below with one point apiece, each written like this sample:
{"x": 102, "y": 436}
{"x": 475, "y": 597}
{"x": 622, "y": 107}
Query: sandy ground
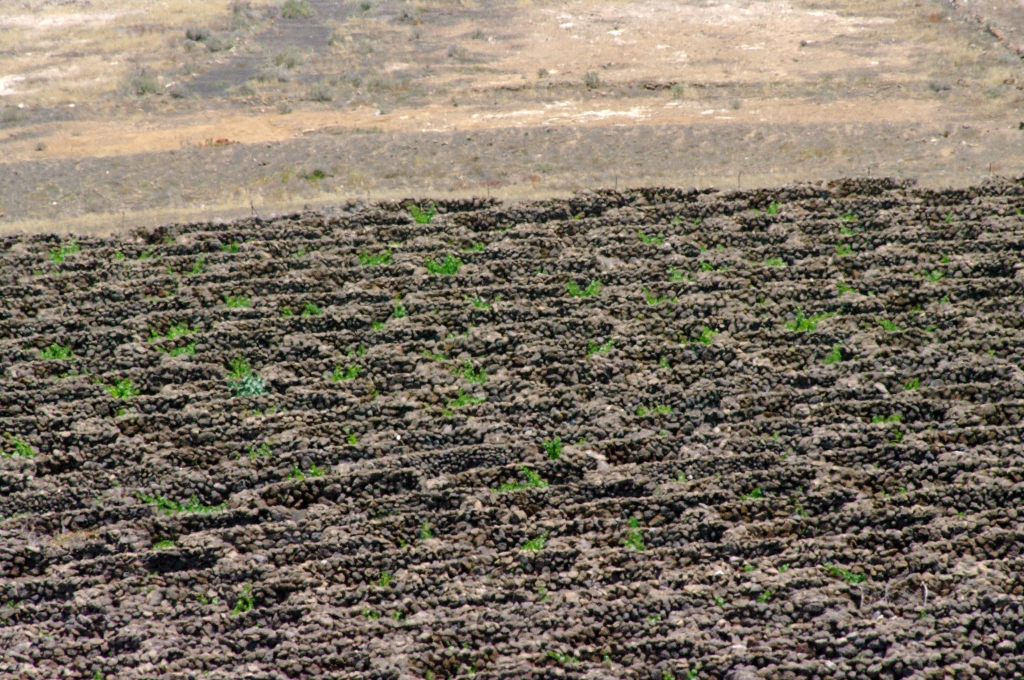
{"x": 110, "y": 115}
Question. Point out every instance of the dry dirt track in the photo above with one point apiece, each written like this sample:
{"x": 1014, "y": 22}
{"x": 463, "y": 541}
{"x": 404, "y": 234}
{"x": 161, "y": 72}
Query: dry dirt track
{"x": 789, "y": 425}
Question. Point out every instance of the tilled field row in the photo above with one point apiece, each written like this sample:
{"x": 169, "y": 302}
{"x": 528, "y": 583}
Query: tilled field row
{"x": 655, "y": 433}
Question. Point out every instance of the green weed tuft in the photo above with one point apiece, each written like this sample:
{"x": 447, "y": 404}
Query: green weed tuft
{"x": 535, "y": 544}
{"x": 245, "y": 601}
{"x": 311, "y": 309}
{"x": 559, "y": 656}
{"x": 655, "y": 240}
{"x": 774, "y": 262}
{"x": 422, "y": 216}
{"x": 374, "y": 260}
{"x": 475, "y": 248}
{"x": 399, "y": 312}
{"x": 592, "y": 289}
{"x": 894, "y": 418}
{"x": 843, "y": 287}
{"x": 533, "y": 481}
{"x": 122, "y": 389}
{"x": 465, "y": 400}
{"x": 198, "y": 266}
{"x": 765, "y": 596}
{"x": 242, "y": 381}
{"x": 473, "y": 375}
{"x": 934, "y": 275}
{"x": 229, "y": 247}
{"x": 756, "y": 493}
{"x": 192, "y": 505}
{"x": 593, "y": 348}
{"x": 425, "y": 533}
{"x": 163, "y": 545}
{"x": 385, "y": 579}
{"x": 848, "y": 576}
{"x": 350, "y": 373}
{"x": 294, "y": 9}
{"x": 802, "y": 323}
{"x": 635, "y": 536}
{"x": 888, "y": 326}
{"x": 19, "y": 447}
{"x": 676, "y": 276}
{"x": 659, "y": 410}
{"x": 237, "y": 302}
{"x": 773, "y": 208}
{"x": 55, "y": 352}
{"x": 843, "y": 249}
{"x": 706, "y": 335}
{"x": 553, "y": 447}
{"x": 434, "y": 357}
{"x": 448, "y": 267}
{"x": 58, "y": 255}
{"x": 835, "y": 355}
{"x": 654, "y": 300}
{"x": 911, "y": 384}
{"x": 262, "y": 451}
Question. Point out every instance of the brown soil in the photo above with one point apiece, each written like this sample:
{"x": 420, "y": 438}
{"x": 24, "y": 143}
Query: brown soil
{"x": 647, "y": 434}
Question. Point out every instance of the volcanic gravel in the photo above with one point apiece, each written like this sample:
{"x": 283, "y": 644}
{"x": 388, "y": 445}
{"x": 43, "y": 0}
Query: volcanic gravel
{"x": 655, "y": 433}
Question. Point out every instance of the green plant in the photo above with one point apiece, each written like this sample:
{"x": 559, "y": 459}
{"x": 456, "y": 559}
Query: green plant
{"x": 773, "y": 208}
{"x": 425, "y": 533}
{"x": 122, "y": 389}
{"x": 192, "y": 505}
{"x": 783, "y": 568}
{"x": 559, "y": 656}
{"x": 21, "y": 448}
{"x": 706, "y": 266}
{"x": 245, "y": 601}
{"x": 310, "y": 309}
{"x": 553, "y": 447}
{"x": 434, "y": 357}
{"x": 842, "y": 287}
{"x": 449, "y": 266}
{"x": 198, "y": 266}
{"x": 465, "y": 400}
{"x": 835, "y": 355}
{"x": 189, "y": 349}
{"x": 118, "y": 256}
{"x": 656, "y": 240}
{"x": 399, "y": 312}
{"x": 242, "y": 381}
{"x": 376, "y": 325}
{"x": 374, "y": 260}
{"x": 229, "y": 247}
{"x": 765, "y": 596}
{"x": 888, "y": 326}
{"x": 848, "y": 217}
{"x": 676, "y": 276}
{"x": 422, "y": 216}
{"x": 293, "y": 9}
{"x": 658, "y": 410}
{"x": 55, "y": 352}
{"x": 479, "y": 303}
{"x": 475, "y": 248}
{"x": 801, "y": 323}
{"x": 663, "y": 363}
{"x": 934, "y": 275}
{"x": 58, "y": 255}
{"x": 263, "y": 450}
{"x": 843, "y": 249}
{"x": 654, "y": 300}
{"x": 146, "y": 254}
{"x": 592, "y": 289}
{"x": 911, "y": 384}
{"x": 316, "y": 471}
{"x": 370, "y": 614}
{"x": 756, "y": 493}
{"x": 535, "y": 544}
{"x": 774, "y": 262}
{"x": 844, "y": 574}
{"x": 718, "y": 601}
{"x": 385, "y": 579}
{"x": 467, "y": 372}
{"x": 897, "y": 435}
{"x": 706, "y": 335}
{"x": 635, "y": 536}
{"x": 296, "y": 474}
{"x": 593, "y": 348}
{"x": 163, "y": 545}
{"x": 894, "y": 418}
{"x": 237, "y": 302}
{"x": 352, "y": 439}
{"x": 178, "y": 330}
{"x": 533, "y": 481}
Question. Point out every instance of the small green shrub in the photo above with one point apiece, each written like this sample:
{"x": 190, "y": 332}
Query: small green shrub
{"x": 706, "y": 335}
{"x": 243, "y": 382}
{"x": 533, "y": 481}
{"x": 756, "y": 493}
{"x": 773, "y": 208}
{"x": 535, "y": 544}
{"x": 801, "y": 323}
{"x": 367, "y": 260}
{"x": 848, "y": 576}
{"x": 245, "y": 601}
{"x": 448, "y": 267}
{"x": 479, "y": 303}
{"x": 56, "y": 352}
{"x": 894, "y": 418}
{"x": 835, "y": 355}
{"x": 385, "y": 579}
{"x": 422, "y": 216}
{"x": 561, "y": 658}
{"x": 19, "y": 447}
{"x": 774, "y": 262}
{"x": 263, "y": 451}
{"x": 655, "y": 240}
{"x": 350, "y": 373}
{"x": 843, "y": 249}
{"x": 888, "y": 326}
{"x": 122, "y": 389}
{"x": 473, "y": 375}
{"x": 654, "y": 300}
{"x": 635, "y": 536}
{"x": 843, "y": 287}
{"x": 434, "y": 357}
{"x": 676, "y": 276}
{"x": 592, "y": 289}
{"x": 659, "y": 410}
{"x": 310, "y": 309}
{"x": 192, "y": 505}
{"x": 934, "y": 275}
{"x": 911, "y": 384}
{"x": 553, "y": 447}
{"x": 465, "y": 400}
{"x": 198, "y": 267}
{"x": 163, "y": 545}
{"x": 399, "y": 311}
{"x": 475, "y": 248}
{"x": 593, "y": 348}
{"x": 425, "y": 533}
{"x": 178, "y": 330}
{"x": 189, "y": 349}
{"x": 237, "y": 302}
{"x": 229, "y": 247}
{"x": 58, "y": 255}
